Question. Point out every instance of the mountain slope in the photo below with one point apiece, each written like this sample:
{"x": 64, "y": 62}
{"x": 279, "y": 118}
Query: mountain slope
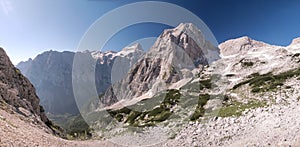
{"x": 18, "y": 92}
{"x": 261, "y": 103}
{"x": 51, "y": 74}
{"x": 22, "y": 120}
{"x": 18, "y": 96}
{"x": 253, "y": 101}
{"x": 177, "y": 54}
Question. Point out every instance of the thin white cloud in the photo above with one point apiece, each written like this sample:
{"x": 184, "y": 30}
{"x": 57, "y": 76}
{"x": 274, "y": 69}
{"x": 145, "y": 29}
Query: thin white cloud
{"x": 6, "y": 6}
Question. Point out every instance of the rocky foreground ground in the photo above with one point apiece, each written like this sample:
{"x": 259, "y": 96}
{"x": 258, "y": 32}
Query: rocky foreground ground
{"x": 16, "y": 131}
{"x": 277, "y": 125}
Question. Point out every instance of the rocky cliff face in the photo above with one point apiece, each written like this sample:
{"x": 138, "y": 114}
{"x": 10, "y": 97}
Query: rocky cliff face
{"x": 262, "y": 94}
{"x": 124, "y": 60}
{"x": 177, "y": 54}
{"x": 19, "y": 93}
{"x": 251, "y": 92}
{"x": 51, "y": 74}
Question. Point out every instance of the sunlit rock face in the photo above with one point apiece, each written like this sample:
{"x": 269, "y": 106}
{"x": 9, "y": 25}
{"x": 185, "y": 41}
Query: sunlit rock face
{"x": 176, "y": 55}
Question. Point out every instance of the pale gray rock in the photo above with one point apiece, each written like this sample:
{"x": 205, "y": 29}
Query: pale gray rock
{"x": 124, "y": 60}
{"x": 51, "y": 74}
{"x": 173, "y": 57}
{"x": 272, "y": 125}
{"x": 235, "y": 46}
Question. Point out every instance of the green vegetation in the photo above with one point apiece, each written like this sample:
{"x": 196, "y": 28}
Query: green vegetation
{"x": 205, "y": 84}
{"x": 18, "y": 71}
{"x": 226, "y": 138}
{"x": 61, "y": 120}
{"x": 237, "y": 108}
{"x": 164, "y": 75}
{"x": 156, "y": 109}
{"x": 75, "y": 126}
{"x": 191, "y": 87}
{"x": 267, "y": 82}
{"x": 172, "y": 70}
{"x": 173, "y": 136}
{"x": 199, "y": 112}
{"x": 149, "y": 112}
{"x": 78, "y": 129}
{"x": 3, "y": 104}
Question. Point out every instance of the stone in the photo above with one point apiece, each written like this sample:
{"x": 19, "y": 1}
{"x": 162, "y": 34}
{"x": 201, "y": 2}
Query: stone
{"x": 175, "y": 54}
{"x": 19, "y": 93}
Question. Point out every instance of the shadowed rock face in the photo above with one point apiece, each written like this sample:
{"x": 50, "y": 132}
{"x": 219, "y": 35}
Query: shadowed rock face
{"x": 18, "y": 92}
{"x": 176, "y": 50}
{"x": 51, "y": 74}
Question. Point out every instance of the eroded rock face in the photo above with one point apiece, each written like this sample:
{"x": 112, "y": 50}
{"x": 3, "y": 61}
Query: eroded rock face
{"x": 18, "y": 92}
{"x": 124, "y": 60}
{"x": 172, "y": 58}
{"x": 51, "y": 74}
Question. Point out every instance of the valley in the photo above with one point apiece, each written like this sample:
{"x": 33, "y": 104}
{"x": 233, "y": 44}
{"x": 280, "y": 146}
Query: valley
{"x": 183, "y": 91}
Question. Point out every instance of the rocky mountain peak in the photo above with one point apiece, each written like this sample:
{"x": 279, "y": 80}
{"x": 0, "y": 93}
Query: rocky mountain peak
{"x": 134, "y": 47}
{"x": 134, "y": 50}
{"x": 173, "y": 57}
{"x": 181, "y": 34}
{"x": 235, "y": 46}
{"x": 189, "y": 29}
{"x": 189, "y": 39}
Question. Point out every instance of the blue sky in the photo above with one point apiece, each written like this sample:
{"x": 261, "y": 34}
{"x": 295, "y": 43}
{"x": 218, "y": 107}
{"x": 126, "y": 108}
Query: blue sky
{"x": 29, "y": 27}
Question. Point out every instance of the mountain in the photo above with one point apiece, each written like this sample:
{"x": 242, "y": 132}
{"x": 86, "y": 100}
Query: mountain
{"x": 178, "y": 54}
{"x": 250, "y": 96}
{"x": 19, "y": 96}
{"x": 251, "y": 92}
{"x": 260, "y": 106}
{"x": 244, "y": 56}
{"x": 234, "y": 46}
{"x": 51, "y": 74}
{"x": 125, "y": 59}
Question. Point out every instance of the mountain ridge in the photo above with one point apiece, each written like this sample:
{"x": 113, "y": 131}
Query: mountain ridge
{"x": 177, "y": 54}
{"x": 51, "y": 73}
